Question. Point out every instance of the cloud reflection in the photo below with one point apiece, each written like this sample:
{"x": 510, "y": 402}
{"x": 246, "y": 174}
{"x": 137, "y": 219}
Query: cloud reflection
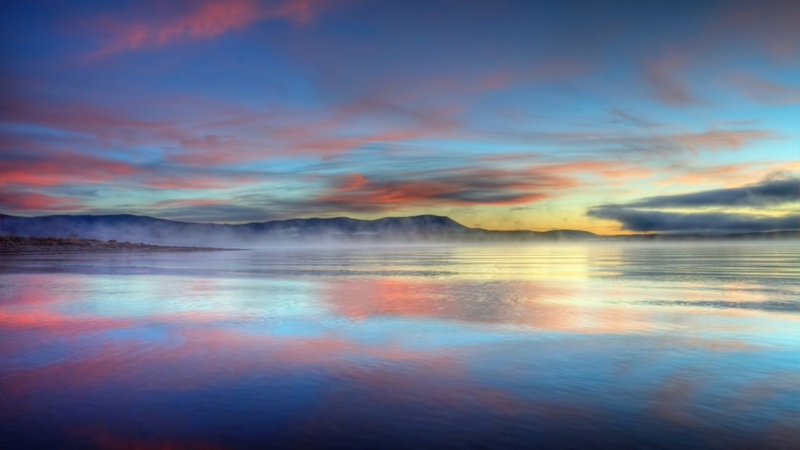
{"x": 539, "y": 343}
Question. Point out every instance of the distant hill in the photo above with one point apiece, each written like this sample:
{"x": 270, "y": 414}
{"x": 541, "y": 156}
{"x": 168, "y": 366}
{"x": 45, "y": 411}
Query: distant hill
{"x": 134, "y": 228}
{"x": 424, "y": 228}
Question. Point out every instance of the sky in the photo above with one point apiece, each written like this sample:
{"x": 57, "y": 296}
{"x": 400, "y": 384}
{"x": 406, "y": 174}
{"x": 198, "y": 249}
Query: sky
{"x": 607, "y": 116}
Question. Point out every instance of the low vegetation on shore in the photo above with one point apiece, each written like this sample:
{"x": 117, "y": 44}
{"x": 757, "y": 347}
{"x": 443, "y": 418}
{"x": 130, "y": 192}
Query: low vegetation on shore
{"x": 21, "y": 244}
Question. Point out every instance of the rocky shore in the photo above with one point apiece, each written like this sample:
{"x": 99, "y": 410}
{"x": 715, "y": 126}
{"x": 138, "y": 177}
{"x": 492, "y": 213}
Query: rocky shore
{"x": 20, "y": 244}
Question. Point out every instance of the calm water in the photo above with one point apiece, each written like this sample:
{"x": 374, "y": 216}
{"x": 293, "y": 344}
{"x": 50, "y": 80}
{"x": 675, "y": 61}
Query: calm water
{"x": 606, "y": 346}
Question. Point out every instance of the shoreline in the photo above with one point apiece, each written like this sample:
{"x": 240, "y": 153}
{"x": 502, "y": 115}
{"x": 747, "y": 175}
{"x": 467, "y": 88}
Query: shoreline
{"x": 24, "y": 245}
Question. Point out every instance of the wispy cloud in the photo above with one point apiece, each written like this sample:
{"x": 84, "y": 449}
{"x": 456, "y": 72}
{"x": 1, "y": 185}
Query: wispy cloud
{"x": 765, "y": 91}
{"x": 25, "y": 200}
{"x": 732, "y": 174}
{"x": 63, "y": 167}
{"x": 719, "y": 139}
{"x": 664, "y": 143}
{"x": 772, "y": 24}
{"x": 731, "y": 29}
{"x": 666, "y": 77}
{"x": 199, "y": 20}
{"x": 48, "y": 167}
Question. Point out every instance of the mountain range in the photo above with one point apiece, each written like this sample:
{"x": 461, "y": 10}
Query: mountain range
{"x": 424, "y": 228}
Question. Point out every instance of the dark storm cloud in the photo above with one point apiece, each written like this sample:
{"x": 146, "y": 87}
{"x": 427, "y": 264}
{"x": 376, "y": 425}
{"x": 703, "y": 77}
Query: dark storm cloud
{"x": 757, "y": 195}
{"x": 633, "y": 219}
{"x": 639, "y": 215}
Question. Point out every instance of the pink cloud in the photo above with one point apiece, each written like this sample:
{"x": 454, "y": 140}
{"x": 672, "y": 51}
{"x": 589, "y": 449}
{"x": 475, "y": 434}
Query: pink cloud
{"x": 715, "y": 140}
{"x": 197, "y": 132}
{"x": 106, "y": 123}
{"x": 454, "y": 187}
{"x": 765, "y": 91}
{"x": 767, "y": 28}
{"x": 555, "y": 70}
{"x": 666, "y": 77}
{"x": 37, "y": 201}
{"x": 62, "y": 167}
{"x": 605, "y": 169}
{"x": 772, "y": 24}
{"x": 207, "y": 19}
{"x": 730, "y": 175}
{"x": 52, "y": 167}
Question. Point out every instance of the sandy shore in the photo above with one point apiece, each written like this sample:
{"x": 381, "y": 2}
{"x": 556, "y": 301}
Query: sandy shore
{"x": 19, "y": 244}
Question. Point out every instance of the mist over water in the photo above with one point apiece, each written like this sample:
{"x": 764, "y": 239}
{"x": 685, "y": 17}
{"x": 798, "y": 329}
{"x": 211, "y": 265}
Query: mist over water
{"x": 606, "y": 345}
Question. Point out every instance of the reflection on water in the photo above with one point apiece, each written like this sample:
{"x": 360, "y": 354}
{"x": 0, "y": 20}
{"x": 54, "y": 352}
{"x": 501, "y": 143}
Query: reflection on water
{"x": 605, "y": 346}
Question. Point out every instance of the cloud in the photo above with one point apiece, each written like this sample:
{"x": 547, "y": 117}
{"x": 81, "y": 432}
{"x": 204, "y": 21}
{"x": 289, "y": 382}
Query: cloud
{"x": 21, "y": 200}
{"x": 203, "y": 20}
{"x": 547, "y": 71}
{"x": 765, "y": 91}
{"x": 86, "y": 120}
{"x": 186, "y": 202}
{"x": 639, "y": 220}
{"x": 740, "y": 29}
{"x": 67, "y": 167}
{"x": 190, "y": 130}
{"x": 772, "y": 24}
{"x": 605, "y": 169}
{"x": 623, "y": 117}
{"x": 52, "y": 168}
{"x": 383, "y": 191}
{"x": 412, "y": 180}
{"x": 663, "y": 143}
{"x": 456, "y": 187}
{"x": 767, "y": 193}
{"x": 666, "y": 80}
{"x": 639, "y": 215}
{"x": 733, "y": 174}
{"x": 715, "y": 140}
{"x": 200, "y": 132}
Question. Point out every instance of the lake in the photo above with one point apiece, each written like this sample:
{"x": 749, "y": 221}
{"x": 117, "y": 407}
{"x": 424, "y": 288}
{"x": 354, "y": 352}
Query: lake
{"x": 651, "y": 345}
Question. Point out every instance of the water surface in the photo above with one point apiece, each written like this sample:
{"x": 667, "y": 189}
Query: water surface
{"x": 564, "y": 346}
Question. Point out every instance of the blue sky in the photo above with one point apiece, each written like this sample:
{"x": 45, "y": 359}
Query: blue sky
{"x": 500, "y": 114}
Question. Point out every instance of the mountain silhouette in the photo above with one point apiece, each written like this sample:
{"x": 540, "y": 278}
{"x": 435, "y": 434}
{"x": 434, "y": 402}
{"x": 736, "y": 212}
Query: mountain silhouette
{"x": 423, "y": 228}
{"x": 159, "y": 231}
